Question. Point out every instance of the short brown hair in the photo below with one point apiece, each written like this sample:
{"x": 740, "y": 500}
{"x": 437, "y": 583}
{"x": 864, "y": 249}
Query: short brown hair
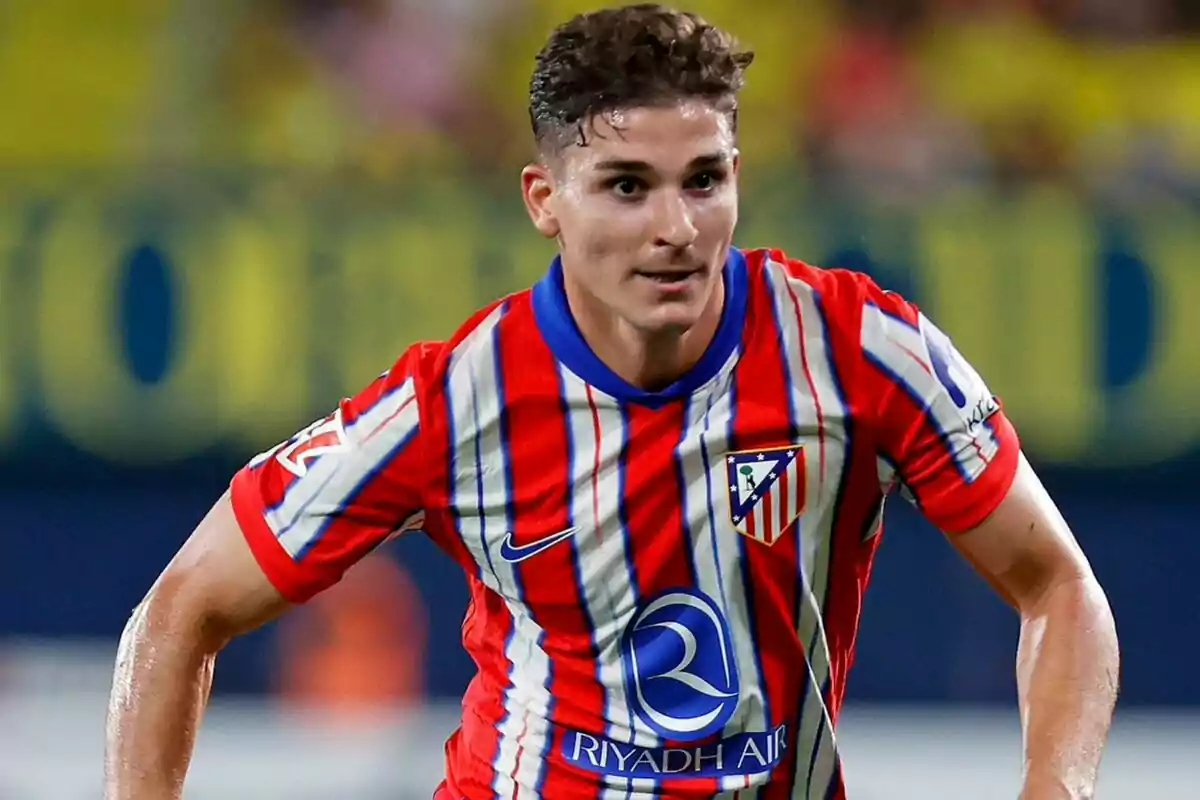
{"x": 637, "y": 55}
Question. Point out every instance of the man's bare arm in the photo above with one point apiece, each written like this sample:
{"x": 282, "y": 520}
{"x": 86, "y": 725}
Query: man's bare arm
{"x": 212, "y": 591}
{"x": 1067, "y": 659}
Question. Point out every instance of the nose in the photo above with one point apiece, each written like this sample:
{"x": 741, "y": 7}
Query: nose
{"x": 673, "y": 218}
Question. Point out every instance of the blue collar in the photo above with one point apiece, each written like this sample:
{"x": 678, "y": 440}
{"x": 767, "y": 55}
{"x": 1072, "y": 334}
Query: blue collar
{"x": 558, "y": 328}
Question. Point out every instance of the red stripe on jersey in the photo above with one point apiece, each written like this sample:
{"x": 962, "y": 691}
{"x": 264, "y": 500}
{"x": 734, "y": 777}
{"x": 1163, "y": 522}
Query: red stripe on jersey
{"x": 658, "y": 543}
{"x": 520, "y": 752}
{"x": 472, "y": 748}
{"x": 655, "y": 529}
{"x": 595, "y": 464}
{"x": 388, "y": 421}
{"x": 541, "y": 480}
{"x": 920, "y": 361}
{"x": 773, "y": 569}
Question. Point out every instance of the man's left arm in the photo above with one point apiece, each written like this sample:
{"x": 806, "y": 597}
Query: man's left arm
{"x": 959, "y": 458}
{"x": 1067, "y": 658}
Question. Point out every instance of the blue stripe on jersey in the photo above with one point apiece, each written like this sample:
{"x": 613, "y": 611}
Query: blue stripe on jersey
{"x": 918, "y": 398}
{"x": 623, "y": 517}
{"x": 576, "y": 562}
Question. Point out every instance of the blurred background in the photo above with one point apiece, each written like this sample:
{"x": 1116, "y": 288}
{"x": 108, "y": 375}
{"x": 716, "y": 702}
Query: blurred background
{"x": 218, "y": 217}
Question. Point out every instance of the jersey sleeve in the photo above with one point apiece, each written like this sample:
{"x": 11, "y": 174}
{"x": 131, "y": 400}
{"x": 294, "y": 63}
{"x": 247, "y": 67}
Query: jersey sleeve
{"x": 934, "y": 418}
{"x": 317, "y": 503}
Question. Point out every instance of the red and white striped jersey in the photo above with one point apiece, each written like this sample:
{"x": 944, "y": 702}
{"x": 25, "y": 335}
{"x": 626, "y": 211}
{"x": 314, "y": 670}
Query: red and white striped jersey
{"x": 665, "y": 586}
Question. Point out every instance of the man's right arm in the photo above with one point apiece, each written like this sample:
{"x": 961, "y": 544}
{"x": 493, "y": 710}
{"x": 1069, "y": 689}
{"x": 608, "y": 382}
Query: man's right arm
{"x": 294, "y": 520}
{"x": 212, "y": 591}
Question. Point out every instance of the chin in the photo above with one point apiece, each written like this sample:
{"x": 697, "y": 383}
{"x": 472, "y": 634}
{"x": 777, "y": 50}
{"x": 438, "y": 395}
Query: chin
{"x": 671, "y": 319}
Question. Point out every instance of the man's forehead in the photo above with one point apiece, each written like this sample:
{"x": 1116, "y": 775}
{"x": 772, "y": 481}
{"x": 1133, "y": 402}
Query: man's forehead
{"x": 665, "y": 138}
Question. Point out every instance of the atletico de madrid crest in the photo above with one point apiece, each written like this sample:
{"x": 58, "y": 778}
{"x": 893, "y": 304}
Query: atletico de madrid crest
{"x": 766, "y": 490}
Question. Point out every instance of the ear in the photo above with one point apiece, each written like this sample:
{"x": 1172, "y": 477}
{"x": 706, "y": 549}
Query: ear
{"x": 737, "y": 162}
{"x": 537, "y": 189}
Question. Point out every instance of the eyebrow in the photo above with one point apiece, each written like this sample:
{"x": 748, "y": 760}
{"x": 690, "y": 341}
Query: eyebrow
{"x": 623, "y": 165}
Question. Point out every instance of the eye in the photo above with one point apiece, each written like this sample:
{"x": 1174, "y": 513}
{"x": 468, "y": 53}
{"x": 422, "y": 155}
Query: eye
{"x": 707, "y": 180}
{"x": 626, "y": 186}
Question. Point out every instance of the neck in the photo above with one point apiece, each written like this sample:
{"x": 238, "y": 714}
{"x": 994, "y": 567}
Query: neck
{"x": 651, "y": 361}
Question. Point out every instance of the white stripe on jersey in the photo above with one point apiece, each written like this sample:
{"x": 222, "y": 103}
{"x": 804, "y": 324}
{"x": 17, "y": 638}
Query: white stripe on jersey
{"x": 811, "y": 375}
{"x": 753, "y": 713}
{"x": 467, "y": 453}
{"x": 475, "y": 406}
{"x": 330, "y": 482}
{"x": 706, "y": 513}
{"x": 902, "y": 351}
{"x": 598, "y": 432}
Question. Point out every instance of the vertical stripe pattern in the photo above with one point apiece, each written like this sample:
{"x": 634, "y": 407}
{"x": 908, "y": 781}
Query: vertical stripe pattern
{"x": 816, "y": 406}
{"x": 475, "y": 393}
{"x": 598, "y": 438}
{"x": 581, "y": 512}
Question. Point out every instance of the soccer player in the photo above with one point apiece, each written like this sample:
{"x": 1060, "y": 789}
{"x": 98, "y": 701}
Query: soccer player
{"x": 662, "y": 469}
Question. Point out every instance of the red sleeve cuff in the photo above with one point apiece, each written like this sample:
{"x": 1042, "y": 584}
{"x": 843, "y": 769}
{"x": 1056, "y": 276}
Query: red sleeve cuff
{"x": 964, "y": 506}
{"x": 292, "y": 580}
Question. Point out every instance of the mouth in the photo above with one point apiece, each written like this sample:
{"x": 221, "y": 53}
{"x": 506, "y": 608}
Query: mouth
{"x": 669, "y": 278}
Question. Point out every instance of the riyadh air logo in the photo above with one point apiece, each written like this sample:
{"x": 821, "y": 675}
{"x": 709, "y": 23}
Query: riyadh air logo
{"x": 680, "y": 672}
{"x": 323, "y": 436}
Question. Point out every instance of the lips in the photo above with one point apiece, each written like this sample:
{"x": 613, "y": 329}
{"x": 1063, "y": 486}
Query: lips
{"x": 668, "y": 276}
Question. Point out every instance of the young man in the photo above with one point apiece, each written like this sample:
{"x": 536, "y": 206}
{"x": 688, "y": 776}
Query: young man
{"x": 663, "y": 471}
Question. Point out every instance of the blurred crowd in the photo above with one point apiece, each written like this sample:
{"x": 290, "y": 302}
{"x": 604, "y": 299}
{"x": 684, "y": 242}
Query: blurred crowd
{"x": 901, "y": 101}
{"x": 898, "y": 98}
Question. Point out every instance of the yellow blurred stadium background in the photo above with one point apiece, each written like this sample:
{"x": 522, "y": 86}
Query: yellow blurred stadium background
{"x": 217, "y": 217}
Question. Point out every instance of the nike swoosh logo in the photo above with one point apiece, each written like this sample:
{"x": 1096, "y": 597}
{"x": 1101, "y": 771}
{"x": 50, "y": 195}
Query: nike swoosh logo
{"x": 513, "y": 554}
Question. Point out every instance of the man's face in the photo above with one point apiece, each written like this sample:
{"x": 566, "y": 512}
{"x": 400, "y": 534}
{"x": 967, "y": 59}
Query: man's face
{"x": 644, "y": 213}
